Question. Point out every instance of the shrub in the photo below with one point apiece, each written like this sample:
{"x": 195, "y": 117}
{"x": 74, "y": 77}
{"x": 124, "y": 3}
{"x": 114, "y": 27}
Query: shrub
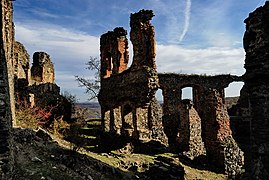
{"x": 31, "y": 117}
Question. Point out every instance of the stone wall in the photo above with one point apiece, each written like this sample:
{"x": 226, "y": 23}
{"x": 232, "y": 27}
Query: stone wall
{"x": 14, "y": 65}
{"x": 130, "y": 109}
{"x": 22, "y": 74}
{"x": 21, "y": 62}
{"x": 37, "y": 85}
{"x": 256, "y": 78}
{"x": 42, "y": 70}
{"x": 6, "y": 89}
{"x": 143, "y": 39}
{"x": 189, "y": 137}
{"x": 114, "y": 52}
{"x": 127, "y": 96}
{"x": 208, "y": 100}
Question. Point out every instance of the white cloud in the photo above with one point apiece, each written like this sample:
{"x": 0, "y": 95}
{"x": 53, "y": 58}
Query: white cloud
{"x": 67, "y": 48}
{"x": 213, "y": 24}
{"x": 70, "y": 50}
{"x": 214, "y": 60}
{"x": 187, "y": 19}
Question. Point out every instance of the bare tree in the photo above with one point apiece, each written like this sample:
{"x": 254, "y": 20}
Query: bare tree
{"x": 92, "y": 85}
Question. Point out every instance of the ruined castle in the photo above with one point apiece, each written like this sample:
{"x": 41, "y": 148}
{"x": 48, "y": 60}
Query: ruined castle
{"x": 198, "y": 127}
{"x": 32, "y": 82}
{"x": 127, "y": 95}
{"x": 129, "y": 106}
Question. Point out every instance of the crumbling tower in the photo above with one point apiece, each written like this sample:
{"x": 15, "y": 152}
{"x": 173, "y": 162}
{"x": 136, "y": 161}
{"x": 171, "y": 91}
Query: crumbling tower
{"x": 42, "y": 70}
{"x": 6, "y": 88}
{"x": 143, "y": 38}
{"x": 42, "y": 79}
{"x": 256, "y": 78}
{"x": 127, "y": 96}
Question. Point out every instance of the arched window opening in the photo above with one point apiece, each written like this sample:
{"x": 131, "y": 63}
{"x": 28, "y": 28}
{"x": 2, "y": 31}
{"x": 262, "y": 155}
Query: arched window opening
{"x": 233, "y": 90}
{"x": 159, "y": 96}
{"x": 187, "y": 93}
{"x": 232, "y": 93}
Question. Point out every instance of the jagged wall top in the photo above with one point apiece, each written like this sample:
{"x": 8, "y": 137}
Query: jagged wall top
{"x": 142, "y": 17}
{"x": 42, "y": 70}
{"x": 142, "y": 36}
{"x": 114, "y": 52}
{"x": 40, "y": 58}
{"x": 117, "y": 32}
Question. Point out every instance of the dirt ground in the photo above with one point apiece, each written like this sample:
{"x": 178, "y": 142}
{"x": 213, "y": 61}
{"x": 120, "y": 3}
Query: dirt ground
{"x": 39, "y": 155}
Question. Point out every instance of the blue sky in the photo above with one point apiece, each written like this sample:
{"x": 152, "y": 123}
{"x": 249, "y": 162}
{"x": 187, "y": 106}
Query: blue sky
{"x": 193, "y": 36}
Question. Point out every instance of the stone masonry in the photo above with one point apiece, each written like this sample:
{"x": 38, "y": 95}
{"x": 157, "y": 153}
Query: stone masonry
{"x": 189, "y": 137}
{"x": 15, "y": 72}
{"x": 42, "y": 70}
{"x": 129, "y": 107}
{"x": 22, "y": 74}
{"x": 127, "y": 96}
{"x": 36, "y": 84}
{"x": 6, "y": 89}
{"x": 114, "y": 46}
{"x": 256, "y": 78}
{"x": 42, "y": 88}
{"x": 21, "y": 62}
{"x": 208, "y": 100}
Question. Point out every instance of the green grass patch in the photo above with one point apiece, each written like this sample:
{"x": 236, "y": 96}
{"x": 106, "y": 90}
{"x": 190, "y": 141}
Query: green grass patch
{"x": 88, "y": 137}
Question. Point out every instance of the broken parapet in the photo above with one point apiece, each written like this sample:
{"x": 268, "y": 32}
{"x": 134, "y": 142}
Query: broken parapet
{"x": 42, "y": 70}
{"x": 256, "y": 78}
{"x": 6, "y": 89}
{"x": 127, "y": 97}
{"x": 208, "y": 100}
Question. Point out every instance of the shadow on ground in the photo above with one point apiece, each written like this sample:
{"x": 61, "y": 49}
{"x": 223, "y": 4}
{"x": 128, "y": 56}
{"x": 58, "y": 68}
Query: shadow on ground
{"x": 38, "y": 156}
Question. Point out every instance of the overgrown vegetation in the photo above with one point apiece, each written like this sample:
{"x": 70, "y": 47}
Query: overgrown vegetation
{"x": 28, "y": 116}
{"x": 46, "y": 117}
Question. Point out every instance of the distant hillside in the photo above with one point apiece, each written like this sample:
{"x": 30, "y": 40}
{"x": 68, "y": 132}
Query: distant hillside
{"x": 90, "y": 110}
{"x": 230, "y": 101}
{"x": 89, "y": 105}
